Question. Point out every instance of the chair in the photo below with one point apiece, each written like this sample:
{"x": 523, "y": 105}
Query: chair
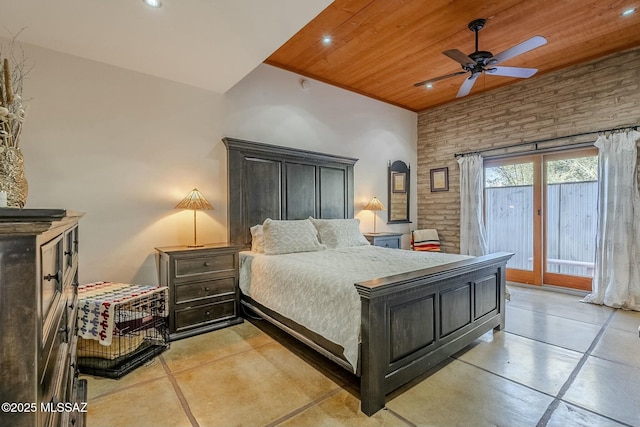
{"x": 425, "y": 240}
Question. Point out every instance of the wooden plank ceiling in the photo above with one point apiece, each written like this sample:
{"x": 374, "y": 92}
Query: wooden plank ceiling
{"x": 380, "y": 48}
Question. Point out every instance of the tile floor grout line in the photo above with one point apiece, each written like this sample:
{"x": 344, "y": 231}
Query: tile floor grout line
{"x": 225, "y": 357}
{"x": 176, "y": 388}
{"x": 400, "y": 417}
{"x": 544, "y": 342}
{"x": 544, "y": 420}
{"x": 504, "y": 378}
{"x": 546, "y": 313}
{"x": 304, "y": 407}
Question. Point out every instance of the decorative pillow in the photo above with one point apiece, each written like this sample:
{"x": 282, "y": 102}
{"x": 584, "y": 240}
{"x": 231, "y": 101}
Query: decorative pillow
{"x": 339, "y": 233}
{"x": 257, "y": 238}
{"x": 283, "y": 237}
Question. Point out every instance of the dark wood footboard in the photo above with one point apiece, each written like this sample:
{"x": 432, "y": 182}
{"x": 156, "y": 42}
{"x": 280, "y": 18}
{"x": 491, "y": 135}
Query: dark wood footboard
{"x": 413, "y": 321}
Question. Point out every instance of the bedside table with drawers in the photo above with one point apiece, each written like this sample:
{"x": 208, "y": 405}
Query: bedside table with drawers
{"x": 203, "y": 287}
{"x": 386, "y": 240}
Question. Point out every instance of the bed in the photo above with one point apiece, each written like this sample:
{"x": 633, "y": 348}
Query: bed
{"x": 407, "y": 322}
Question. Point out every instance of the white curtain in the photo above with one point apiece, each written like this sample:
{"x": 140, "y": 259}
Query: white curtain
{"x": 616, "y": 281}
{"x": 473, "y": 240}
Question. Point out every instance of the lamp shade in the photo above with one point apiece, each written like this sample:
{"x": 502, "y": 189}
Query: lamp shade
{"x": 375, "y": 205}
{"x": 194, "y": 200}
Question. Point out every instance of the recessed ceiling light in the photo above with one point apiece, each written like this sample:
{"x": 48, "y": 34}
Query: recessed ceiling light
{"x": 429, "y": 85}
{"x": 153, "y": 3}
{"x": 629, "y": 11}
{"x": 326, "y": 40}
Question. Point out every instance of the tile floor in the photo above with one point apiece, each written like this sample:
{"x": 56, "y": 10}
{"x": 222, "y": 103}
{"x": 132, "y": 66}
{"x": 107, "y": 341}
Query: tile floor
{"x": 559, "y": 362}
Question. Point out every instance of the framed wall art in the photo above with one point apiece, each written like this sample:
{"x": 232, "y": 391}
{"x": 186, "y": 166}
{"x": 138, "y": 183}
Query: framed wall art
{"x": 439, "y": 179}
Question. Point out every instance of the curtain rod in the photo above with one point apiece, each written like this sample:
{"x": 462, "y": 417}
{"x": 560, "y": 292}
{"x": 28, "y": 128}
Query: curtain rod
{"x": 540, "y": 141}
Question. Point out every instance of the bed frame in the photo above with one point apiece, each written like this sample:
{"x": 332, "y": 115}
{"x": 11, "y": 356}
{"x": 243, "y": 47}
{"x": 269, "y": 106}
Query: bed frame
{"x": 410, "y": 322}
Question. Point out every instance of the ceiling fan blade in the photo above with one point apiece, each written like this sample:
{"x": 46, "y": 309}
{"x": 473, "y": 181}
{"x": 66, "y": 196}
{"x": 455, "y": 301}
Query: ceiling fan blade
{"x": 437, "y": 79}
{"x": 460, "y": 57}
{"x": 466, "y": 86}
{"x": 525, "y": 46}
{"x": 519, "y": 72}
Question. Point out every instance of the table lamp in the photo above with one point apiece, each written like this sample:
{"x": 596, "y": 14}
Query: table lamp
{"x": 374, "y": 205}
{"x": 195, "y": 201}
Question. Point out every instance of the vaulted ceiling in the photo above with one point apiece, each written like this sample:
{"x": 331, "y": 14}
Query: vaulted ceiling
{"x": 380, "y": 48}
{"x": 210, "y": 44}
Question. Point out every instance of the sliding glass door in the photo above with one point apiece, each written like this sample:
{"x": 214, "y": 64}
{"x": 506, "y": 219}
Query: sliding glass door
{"x": 543, "y": 208}
{"x": 511, "y": 214}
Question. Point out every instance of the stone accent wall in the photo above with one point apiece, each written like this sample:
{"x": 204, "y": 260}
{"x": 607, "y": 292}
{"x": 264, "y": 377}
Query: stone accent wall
{"x": 602, "y": 94}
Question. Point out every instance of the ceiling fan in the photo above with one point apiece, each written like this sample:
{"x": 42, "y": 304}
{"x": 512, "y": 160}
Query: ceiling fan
{"x": 482, "y": 61}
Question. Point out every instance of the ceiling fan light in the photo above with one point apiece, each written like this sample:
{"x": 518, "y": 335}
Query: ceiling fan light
{"x": 326, "y": 40}
{"x": 153, "y": 3}
{"x": 429, "y": 85}
{"x": 629, "y": 11}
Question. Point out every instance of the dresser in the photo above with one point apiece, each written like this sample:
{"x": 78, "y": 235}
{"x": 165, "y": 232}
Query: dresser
{"x": 386, "y": 239}
{"x": 38, "y": 306}
{"x": 203, "y": 287}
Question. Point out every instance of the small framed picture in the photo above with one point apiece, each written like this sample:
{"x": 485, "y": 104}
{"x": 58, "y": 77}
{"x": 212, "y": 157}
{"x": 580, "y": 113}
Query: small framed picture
{"x": 398, "y": 182}
{"x": 439, "y": 179}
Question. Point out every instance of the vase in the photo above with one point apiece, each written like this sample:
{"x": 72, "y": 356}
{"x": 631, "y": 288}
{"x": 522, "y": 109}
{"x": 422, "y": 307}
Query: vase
{"x": 12, "y": 179}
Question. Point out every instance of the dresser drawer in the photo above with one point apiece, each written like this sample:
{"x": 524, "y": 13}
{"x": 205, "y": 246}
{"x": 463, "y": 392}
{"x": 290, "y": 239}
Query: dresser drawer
{"x": 73, "y": 369}
{"x": 205, "y": 264}
{"x": 51, "y": 341}
{"x": 199, "y": 315}
{"x": 194, "y": 291}
{"x": 51, "y": 275}
{"x": 57, "y": 387}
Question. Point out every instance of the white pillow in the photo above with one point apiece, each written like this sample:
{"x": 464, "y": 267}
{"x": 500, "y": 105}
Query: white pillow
{"x": 257, "y": 238}
{"x": 339, "y": 233}
{"x": 283, "y": 237}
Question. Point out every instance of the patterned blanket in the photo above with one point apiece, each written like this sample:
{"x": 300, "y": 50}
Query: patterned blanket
{"x": 97, "y": 303}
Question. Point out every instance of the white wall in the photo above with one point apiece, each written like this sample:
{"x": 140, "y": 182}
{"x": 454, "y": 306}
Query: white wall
{"x": 269, "y": 105}
{"x": 125, "y": 148}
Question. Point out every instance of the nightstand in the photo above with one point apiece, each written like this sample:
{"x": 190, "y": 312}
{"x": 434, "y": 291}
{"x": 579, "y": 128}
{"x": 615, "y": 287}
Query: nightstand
{"x": 203, "y": 287}
{"x": 386, "y": 240}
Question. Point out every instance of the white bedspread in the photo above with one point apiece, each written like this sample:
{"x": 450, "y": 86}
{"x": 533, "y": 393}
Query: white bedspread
{"x": 316, "y": 289}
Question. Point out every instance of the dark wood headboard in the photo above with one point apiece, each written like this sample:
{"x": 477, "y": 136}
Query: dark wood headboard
{"x": 268, "y": 181}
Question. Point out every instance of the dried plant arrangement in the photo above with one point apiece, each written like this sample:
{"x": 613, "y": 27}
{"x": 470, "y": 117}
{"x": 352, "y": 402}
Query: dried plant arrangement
{"x": 13, "y": 70}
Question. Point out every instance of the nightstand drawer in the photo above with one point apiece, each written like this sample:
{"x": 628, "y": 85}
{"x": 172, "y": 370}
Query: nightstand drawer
{"x": 199, "y": 290}
{"x": 204, "y": 313}
{"x": 385, "y": 240}
{"x": 194, "y": 266}
{"x": 392, "y": 242}
{"x": 203, "y": 287}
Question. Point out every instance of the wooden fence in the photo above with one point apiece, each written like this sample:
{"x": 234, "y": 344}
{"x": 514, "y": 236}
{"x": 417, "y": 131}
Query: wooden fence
{"x": 571, "y": 212}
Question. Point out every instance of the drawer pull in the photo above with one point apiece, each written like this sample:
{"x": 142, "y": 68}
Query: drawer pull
{"x": 55, "y": 277}
{"x": 207, "y": 264}
{"x": 206, "y": 289}
{"x": 207, "y": 313}
{"x": 68, "y": 253}
{"x": 71, "y": 306}
{"x": 63, "y": 330}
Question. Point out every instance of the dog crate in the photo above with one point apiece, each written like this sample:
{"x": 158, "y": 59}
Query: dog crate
{"x": 121, "y": 326}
